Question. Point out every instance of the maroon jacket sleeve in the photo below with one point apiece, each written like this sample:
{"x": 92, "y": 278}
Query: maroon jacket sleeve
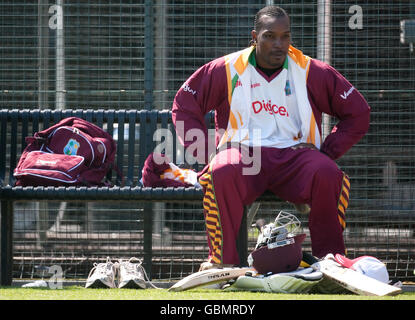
{"x": 331, "y": 93}
{"x": 203, "y": 91}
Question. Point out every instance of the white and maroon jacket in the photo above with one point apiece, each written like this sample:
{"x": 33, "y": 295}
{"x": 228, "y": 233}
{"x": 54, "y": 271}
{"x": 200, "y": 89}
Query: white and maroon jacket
{"x": 325, "y": 90}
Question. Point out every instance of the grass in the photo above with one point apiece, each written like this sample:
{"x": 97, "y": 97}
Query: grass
{"x": 74, "y": 302}
{"x": 80, "y": 293}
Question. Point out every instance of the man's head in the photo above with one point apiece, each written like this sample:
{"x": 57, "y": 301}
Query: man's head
{"x": 271, "y": 36}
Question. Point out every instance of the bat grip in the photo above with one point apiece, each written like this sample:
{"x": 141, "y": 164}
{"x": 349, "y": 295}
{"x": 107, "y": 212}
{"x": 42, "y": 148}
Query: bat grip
{"x": 309, "y": 258}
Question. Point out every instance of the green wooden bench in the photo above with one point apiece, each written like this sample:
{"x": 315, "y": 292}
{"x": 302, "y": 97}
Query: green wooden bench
{"x": 136, "y": 126}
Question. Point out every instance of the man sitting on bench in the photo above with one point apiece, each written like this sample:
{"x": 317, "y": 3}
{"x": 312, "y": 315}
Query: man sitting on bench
{"x": 269, "y": 99}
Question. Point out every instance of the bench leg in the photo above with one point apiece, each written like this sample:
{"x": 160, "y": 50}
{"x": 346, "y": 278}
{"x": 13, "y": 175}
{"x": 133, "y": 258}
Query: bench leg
{"x": 6, "y": 243}
{"x": 242, "y": 241}
{"x": 148, "y": 238}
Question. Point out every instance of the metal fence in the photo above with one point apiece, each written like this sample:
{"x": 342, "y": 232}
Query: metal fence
{"x": 135, "y": 55}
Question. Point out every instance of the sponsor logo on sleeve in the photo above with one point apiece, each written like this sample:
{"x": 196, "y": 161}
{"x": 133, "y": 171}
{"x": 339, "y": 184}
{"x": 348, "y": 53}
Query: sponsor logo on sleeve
{"x": 346, "y": 94}
{"x": 186, "y": 88}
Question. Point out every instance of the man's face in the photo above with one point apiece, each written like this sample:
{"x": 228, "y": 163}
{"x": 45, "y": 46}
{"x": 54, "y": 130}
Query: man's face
{"x": 272, "y": 41}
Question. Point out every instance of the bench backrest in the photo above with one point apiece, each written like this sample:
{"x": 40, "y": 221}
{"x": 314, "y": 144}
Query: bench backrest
{"x": 133, "y": 131}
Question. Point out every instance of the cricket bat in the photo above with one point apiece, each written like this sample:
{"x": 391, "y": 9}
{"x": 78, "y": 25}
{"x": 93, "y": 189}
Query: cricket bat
{"x": 349, "y": 279}
{"x": 208, "y": 277}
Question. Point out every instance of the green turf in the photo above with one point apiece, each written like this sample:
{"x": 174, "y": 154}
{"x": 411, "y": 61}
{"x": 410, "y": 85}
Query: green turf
{"x": 80, "y": 293}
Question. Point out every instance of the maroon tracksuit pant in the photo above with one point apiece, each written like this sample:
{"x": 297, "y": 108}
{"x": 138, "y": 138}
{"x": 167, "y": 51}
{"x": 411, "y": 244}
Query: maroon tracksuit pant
{"x": 298, "y": 176}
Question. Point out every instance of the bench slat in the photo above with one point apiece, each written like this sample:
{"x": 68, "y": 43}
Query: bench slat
{"x": 3, "y": 144}
{"x": 13, "y": 147}
{"x": 136, "y": 193}
{"x": 142, "y": 148}
{"x": 25, "y": 130}
{"x": 131, "y": 148}
{"x": 109, "y": 118}
{"x": 120, "y": 144}
{"x": 146, "y": 194}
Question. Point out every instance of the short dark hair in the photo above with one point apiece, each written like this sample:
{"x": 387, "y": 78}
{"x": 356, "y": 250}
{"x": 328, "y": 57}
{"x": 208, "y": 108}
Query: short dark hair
{"x": 272, "y": 11}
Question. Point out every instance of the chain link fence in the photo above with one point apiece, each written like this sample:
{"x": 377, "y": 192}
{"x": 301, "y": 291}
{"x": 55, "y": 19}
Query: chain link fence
{"x": 135, "y": 55}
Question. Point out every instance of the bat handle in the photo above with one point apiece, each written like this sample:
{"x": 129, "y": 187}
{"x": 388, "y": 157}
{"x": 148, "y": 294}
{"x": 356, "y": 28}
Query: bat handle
{"x": 309, "y": 258}
{"x": 259, "y": 224}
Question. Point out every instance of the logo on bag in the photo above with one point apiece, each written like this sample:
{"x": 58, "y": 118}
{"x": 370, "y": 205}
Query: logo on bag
{"x": 46, "y": 162}
{"x": 100, "y": 148}
{"x": 71, "y": 147}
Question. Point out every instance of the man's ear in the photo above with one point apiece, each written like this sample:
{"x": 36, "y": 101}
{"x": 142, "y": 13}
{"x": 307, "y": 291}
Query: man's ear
{"x": 254, "y": 36}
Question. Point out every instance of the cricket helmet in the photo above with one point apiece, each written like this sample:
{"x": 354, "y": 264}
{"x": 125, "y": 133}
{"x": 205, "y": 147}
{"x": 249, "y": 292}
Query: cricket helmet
{"x": 281, "y": 257}
{"x": 279, "y": 246}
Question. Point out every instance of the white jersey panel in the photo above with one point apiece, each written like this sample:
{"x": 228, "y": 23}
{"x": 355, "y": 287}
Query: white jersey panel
{"x": 274, "y": 110}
